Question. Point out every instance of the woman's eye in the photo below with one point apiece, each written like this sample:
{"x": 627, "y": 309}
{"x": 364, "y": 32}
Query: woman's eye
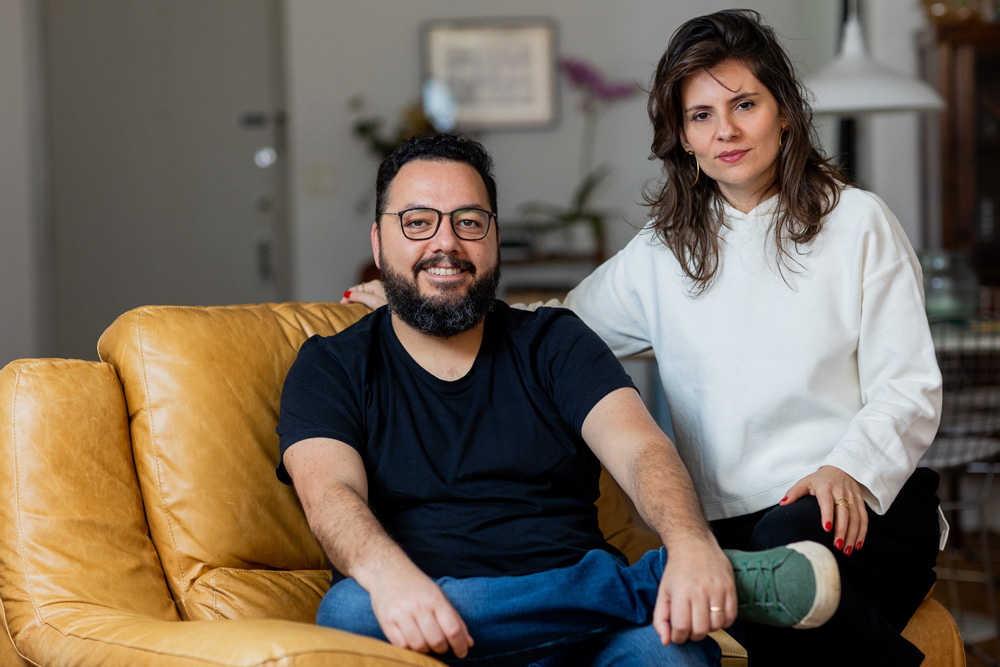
{"x": 745, "y": 105}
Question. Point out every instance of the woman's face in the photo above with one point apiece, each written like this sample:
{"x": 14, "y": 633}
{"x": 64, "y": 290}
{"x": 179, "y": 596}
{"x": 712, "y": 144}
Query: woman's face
{"x": 733, "y": 125}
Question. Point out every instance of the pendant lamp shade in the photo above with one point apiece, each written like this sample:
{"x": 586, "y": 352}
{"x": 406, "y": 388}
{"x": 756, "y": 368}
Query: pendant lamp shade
{"x": 854, "y": 83}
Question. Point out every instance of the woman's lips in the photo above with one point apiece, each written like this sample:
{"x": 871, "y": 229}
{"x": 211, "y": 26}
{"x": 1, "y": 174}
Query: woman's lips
{"x": 732, "y": 156}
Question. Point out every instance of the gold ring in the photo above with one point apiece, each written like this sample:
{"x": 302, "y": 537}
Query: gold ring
{"x": 714, "y": 609}
{"x": 843, "y": 502}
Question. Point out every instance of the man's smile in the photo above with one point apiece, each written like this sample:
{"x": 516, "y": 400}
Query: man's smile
{"x": 444, "y": 266}
{"x": 443, "y": 271}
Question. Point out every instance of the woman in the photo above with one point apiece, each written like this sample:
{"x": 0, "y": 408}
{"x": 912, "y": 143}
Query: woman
{"x": 786, "y": 315}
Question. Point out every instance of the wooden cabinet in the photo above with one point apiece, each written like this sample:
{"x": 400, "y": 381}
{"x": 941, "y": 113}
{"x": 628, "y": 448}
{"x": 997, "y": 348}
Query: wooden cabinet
{"x": 962, "y": 154}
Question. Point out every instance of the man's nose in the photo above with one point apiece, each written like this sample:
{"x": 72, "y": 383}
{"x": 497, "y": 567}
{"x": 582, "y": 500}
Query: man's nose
{"x": 445, "y": 239}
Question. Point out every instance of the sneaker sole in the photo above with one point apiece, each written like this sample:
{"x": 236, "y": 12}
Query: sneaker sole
{"x": 827, "y": 584}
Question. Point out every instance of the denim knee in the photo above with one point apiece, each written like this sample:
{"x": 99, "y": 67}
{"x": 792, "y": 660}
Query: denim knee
{"x": 638, "y": 646}
{"x": 347, "y": 606}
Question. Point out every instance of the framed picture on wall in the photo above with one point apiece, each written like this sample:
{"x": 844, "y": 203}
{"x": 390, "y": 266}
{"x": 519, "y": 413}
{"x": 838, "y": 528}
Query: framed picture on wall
{"x": 496, "y": 73}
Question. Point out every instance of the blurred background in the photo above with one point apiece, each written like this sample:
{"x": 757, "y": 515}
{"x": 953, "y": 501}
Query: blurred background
{"x": 181, "y": 151}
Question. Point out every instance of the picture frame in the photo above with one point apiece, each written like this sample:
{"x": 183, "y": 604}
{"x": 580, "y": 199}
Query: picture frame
{"x": 499, "y": 73}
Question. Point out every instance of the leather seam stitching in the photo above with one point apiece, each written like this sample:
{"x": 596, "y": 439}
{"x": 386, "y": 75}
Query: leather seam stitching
{"x": 156, "y": 451}
{"x": 17, "y": 501}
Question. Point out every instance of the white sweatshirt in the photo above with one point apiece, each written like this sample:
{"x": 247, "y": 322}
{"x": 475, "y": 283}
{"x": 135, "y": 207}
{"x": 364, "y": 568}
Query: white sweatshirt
{"x": 771, "y": 374}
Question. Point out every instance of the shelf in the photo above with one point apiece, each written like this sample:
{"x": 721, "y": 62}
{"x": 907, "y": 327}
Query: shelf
{"x": 960, "y": 143}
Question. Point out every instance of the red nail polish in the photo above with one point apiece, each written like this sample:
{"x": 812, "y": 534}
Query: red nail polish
{"x": 828, "y": 527}
{"x": 347, "y": 294}
{"x": 847, "y": 551}
{"x": 839, "y": 543}
{"x": 858, "y": 546}
{"x": 783, "y": 499}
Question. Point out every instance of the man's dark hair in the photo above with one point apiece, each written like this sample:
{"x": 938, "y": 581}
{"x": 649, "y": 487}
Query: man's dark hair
{"x": 440, "y": 148}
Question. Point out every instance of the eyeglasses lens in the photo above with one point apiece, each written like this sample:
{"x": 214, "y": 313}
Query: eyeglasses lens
{"x": 469, "y": 224}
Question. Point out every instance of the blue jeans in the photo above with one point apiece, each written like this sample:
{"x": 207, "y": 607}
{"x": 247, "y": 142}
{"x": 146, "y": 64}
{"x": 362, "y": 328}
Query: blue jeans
{"x": 597, "y": 612}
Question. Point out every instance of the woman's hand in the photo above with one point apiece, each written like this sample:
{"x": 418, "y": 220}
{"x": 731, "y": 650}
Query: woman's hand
{"x": 370, "y": 293}
{"x": 841, "y": 505}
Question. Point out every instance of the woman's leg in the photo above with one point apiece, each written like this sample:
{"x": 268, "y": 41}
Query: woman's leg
{"x": 882, "y": 584}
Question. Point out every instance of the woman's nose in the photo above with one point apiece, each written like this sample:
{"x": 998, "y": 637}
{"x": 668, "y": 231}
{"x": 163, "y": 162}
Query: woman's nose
{"x": 727, "y": 129}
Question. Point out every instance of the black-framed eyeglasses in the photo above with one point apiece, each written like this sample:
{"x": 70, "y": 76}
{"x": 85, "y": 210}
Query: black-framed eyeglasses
{"x": 420, "y": 224}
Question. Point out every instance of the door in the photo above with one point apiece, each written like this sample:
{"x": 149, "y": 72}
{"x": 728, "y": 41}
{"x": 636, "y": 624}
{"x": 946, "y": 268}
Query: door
{"x": 168, "y": 171}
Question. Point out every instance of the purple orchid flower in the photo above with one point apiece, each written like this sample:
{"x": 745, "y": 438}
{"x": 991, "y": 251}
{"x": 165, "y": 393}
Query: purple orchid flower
{"x": 583, "y": 75}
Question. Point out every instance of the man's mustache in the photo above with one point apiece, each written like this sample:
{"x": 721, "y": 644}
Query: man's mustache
{"x": 444, "y": 261}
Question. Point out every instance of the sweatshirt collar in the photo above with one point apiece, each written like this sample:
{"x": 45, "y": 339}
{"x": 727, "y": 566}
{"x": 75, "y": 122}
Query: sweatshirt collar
{"x": 765, "y": 209}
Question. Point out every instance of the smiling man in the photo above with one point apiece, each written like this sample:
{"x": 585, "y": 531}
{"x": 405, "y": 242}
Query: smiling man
{"x": 447, "y": 449}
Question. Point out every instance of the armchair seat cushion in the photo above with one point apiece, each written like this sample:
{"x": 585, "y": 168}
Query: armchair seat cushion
{"x": 233, "y": 593}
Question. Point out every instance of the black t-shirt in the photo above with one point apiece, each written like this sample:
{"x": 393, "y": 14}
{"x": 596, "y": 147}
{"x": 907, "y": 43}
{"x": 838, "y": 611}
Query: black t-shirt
{"x": 482, "y": 476}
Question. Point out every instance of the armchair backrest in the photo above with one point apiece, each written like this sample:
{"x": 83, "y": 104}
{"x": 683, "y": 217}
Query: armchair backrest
{"x": 75, "y": 551}
{"x": 202, "y": 386}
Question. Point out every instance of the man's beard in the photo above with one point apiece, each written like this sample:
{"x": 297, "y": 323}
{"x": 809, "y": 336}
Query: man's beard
{"x": 442, "y": 316}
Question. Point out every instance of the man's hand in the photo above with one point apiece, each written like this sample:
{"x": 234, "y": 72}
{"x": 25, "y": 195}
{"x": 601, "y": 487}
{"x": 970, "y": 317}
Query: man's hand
{"x": 697, "y": 592}
{"x": 415, "y": 614}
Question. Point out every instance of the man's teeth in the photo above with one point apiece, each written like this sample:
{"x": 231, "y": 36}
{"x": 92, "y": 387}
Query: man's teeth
{"x": 444, "y": 271}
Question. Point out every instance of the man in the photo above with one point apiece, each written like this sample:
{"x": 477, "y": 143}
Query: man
{"x": 447, "y": 450}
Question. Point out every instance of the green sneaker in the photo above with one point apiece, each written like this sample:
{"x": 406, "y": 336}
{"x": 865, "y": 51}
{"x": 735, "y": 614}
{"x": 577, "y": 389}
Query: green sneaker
{"x": 795, "y": 586}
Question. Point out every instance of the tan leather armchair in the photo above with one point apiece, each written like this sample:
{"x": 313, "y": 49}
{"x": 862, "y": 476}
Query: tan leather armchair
{"x": 142, "y": 521}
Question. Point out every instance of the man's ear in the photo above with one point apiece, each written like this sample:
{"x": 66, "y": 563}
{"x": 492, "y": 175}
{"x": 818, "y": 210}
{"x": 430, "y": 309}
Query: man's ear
{"x": 376, "y": 244}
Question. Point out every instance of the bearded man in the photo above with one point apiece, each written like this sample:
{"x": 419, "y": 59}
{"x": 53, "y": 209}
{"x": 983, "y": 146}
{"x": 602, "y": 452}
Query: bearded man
{"x": 447, "y": 448}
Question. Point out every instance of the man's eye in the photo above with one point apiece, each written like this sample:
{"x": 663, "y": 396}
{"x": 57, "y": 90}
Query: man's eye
{"x": 419, "y": 219}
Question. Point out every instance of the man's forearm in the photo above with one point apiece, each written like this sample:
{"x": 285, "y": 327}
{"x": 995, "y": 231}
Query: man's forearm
{"x": 664, "y": 494}
{"x": 645, "y": 463}
{"x": 353, "y": 539}
{"x": 697, "y": 578}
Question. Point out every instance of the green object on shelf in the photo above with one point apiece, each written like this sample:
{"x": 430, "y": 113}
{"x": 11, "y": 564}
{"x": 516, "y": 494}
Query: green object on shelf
{"x": 951, "y": 288}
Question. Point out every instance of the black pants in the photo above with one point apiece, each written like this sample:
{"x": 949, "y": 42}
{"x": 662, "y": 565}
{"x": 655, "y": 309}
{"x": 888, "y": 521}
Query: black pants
{"x": 882, "y": 583}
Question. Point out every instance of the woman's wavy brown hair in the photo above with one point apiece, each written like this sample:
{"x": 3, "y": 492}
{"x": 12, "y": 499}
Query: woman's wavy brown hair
{"x": 688, "y": 218}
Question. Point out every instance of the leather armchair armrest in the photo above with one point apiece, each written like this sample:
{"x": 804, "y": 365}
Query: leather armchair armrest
{"x": 96, "y": 638}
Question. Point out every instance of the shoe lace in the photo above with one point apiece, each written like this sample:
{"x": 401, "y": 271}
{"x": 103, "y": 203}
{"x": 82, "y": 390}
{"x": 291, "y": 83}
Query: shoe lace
{"x": 755, "y": 580}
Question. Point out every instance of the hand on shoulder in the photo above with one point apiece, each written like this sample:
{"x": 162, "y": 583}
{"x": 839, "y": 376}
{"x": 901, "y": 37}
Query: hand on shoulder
{"x": 371, "y": 294}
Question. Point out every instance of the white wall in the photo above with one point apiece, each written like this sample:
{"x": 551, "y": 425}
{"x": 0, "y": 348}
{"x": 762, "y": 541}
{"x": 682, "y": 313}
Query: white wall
{"x": 889, "y": 144}
{"x": 21, "y": 202}
{"x": 339, "y": 50}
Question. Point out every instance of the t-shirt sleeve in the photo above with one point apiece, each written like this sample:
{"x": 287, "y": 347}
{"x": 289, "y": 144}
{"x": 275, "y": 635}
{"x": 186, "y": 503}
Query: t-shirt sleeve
{"x": 320, "y": 399}
{"x": 577, "y": 367}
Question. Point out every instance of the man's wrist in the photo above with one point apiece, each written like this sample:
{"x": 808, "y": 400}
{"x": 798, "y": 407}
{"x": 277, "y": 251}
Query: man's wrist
{"x": 677, "y": 540}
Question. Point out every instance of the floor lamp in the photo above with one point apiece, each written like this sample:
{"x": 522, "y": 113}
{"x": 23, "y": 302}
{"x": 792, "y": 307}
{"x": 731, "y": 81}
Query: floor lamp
{"x": 854, "y": 83}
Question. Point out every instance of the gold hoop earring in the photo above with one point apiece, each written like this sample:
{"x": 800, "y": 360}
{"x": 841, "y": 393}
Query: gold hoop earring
{"x": 781, "y": 138}
{"x": 697, "y": 169}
